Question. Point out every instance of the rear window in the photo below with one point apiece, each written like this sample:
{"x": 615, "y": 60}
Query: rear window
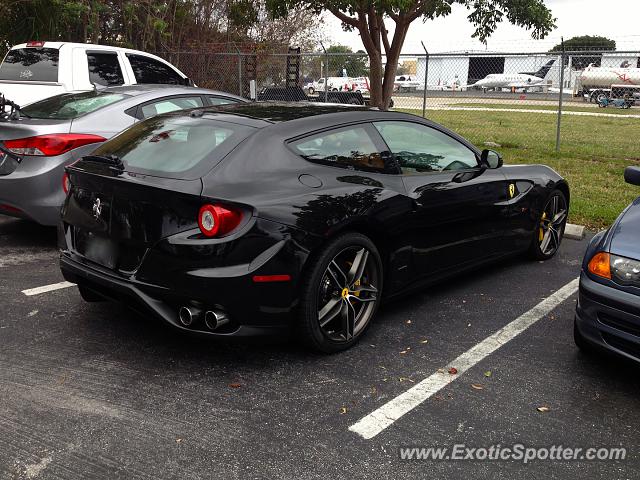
{"x": 71, "y": 105}
{"x": 30, "y": 65}
{"x": 175, "y": 146}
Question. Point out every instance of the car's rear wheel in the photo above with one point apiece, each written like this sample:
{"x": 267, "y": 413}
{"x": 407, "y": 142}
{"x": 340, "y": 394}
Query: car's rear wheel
{"x": 549, "y": 231}
{"x": 312, "y": 90}
{"x": 341, "y": 293}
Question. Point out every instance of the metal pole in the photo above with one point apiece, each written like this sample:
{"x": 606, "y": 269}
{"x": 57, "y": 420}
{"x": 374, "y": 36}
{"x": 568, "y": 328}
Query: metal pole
{"x": 326, "y": 69}
{"x": 239, "y": 71}
{"x": 426, "y": 77}
{"x": 560, "y": 97}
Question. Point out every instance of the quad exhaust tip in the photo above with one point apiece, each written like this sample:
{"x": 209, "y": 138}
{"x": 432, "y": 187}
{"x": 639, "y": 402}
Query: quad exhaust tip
{"x": 215, "y": 319}
{"x": 188, "y": 315}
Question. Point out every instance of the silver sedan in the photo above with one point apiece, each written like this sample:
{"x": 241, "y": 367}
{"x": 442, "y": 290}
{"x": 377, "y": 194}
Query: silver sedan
{"x": 39, "y": 140}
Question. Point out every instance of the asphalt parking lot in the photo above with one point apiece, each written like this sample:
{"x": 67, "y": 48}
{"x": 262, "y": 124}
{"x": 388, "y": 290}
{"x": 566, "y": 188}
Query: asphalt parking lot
{"x": 96, "y": 391}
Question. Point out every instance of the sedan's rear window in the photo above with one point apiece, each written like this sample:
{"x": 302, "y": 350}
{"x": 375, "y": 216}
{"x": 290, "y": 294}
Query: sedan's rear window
{"x": 71, "y": 105}
{"x": 175, "y": 146}
{"x": 30, "y": 65}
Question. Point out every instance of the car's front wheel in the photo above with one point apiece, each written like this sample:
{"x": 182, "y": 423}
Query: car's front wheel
{"x": 549, "y": 232}
{"x": 340, "y": 293}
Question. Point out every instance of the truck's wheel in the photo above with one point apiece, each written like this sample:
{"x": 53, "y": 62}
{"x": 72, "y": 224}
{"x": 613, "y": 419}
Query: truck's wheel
{"x": 312, "y": 90}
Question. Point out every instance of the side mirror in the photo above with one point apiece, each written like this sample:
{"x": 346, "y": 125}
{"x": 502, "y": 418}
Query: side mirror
{"x": 632, "y": 175}
{"x": 491, "y": 159}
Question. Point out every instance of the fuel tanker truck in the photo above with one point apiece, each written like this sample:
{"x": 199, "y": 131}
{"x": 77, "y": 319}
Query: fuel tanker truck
{"x": 596, "y": 83}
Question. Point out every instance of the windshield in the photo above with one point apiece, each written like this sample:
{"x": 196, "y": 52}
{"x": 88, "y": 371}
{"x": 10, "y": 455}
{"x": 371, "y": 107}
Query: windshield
{"x": 175, "y": 146}
{"x": 71, "y": 105}
{"x": 30, "y": 65}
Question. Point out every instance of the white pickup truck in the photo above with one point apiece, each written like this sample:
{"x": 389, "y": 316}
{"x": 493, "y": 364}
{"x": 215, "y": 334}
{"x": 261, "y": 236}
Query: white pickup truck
{"x": 37, "y": 70}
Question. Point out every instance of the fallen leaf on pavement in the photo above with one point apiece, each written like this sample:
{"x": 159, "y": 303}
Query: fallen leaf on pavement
{"x": 235, "y": 385}
{"x": 544, "y": 409}
{"x": 343, "y": 410}
{"x": 178, "y": 440}
{"x": 408, "y": 322}
{"x": 477, "y": 386}
{"x": 424, "y": 341}
{"x": 453, "y": 371}
{"x": 487, "y": 373}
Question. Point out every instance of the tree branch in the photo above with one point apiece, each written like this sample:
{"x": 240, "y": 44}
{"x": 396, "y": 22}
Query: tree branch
{"x": 343, "y": 17}
{"x": 385, "y": 36}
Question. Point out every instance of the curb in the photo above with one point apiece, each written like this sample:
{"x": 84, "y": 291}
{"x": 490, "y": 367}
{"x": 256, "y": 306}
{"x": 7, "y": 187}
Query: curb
{"x": 574, "y": 232}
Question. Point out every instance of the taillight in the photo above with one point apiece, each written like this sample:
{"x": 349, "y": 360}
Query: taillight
{"x": 35, "y": 43}
{"x": 66, "y": 183}
{"x": 50, "y": 145}
{"x": 600, "y": 265}
{"x": 216, "y": 220}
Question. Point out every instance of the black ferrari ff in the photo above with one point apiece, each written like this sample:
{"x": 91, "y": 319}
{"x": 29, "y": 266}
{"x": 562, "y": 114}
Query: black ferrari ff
{"x": 608, "y": 310}
{"x": 266, "y": 218}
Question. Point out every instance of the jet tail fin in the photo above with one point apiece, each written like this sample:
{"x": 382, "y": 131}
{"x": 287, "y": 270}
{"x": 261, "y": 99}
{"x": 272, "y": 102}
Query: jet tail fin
{"x": 545, "y": 69}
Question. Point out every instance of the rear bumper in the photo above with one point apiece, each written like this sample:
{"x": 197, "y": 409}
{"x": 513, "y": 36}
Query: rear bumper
{"x": 34, "y": 191}
{"x": 151, "y": 299}
{"x": 169, "y": 279}
{"x": 609, "y": 318}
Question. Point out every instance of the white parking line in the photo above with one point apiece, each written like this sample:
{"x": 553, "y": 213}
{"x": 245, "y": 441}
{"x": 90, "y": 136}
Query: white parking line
{"x": 374, "y": 423}
{"x": 47, "y": 288}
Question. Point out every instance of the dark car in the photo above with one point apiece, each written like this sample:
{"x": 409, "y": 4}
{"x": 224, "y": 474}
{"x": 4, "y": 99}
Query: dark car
{"x": 608, "y": 310}
{"x": 259, "y": 218}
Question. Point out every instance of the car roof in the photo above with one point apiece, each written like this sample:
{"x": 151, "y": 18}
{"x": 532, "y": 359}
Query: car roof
{"x": 141, "y": 89}
{"x": 276, "y": 112}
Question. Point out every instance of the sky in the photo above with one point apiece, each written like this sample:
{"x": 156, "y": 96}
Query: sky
{"x": 615, "y": 19}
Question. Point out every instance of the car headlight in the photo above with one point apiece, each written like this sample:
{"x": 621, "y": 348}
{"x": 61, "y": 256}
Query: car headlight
{"x": 625, "y": 271}
{"x": 622, "y": 270}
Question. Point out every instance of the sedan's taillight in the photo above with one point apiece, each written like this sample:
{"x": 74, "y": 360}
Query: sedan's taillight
{"x": 216, "y": 220}
{"x": 51, "y": 145}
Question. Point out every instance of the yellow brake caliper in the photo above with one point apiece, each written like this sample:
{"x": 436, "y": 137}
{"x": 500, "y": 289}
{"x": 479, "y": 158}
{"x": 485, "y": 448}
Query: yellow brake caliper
{"x": 357, "y": 284}
{"x": 544, "y": 217}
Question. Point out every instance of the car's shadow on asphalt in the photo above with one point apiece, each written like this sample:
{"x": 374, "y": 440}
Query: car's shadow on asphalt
{"x": 16, "y": 232}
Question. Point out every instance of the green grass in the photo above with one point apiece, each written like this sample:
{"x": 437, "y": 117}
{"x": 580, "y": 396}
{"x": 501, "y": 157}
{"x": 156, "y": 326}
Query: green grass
{"x": 593, "y": 155}
{"x": 565, "y": 108}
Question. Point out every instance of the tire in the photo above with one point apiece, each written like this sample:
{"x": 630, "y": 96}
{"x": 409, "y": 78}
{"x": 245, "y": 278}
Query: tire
{"x": 312, "y": 90}
{"x": 548, "y": 234}
{"x": 89, "y": 296}
{"x": 327, "y": 287}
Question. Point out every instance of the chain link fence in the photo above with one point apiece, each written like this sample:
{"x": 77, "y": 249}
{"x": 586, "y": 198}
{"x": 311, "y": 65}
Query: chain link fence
{"x": 512, "y": 99}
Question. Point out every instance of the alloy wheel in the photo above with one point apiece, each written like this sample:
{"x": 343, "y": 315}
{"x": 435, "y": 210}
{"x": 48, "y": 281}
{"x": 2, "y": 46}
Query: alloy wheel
{"x": 552, "y": 224}
{"x": 348, "y": 294}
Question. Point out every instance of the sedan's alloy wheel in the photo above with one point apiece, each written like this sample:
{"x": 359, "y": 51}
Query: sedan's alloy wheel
{"x": 552, "y": 223}
{"x": 348, "y": 294}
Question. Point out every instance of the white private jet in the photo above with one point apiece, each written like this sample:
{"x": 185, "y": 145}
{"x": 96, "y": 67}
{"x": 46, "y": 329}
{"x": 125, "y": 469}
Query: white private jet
{"x": 523, "y": 80}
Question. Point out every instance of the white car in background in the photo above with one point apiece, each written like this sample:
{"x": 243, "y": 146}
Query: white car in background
{"x": 37, "y": 70}
{"x": 405, "y": 83}
{"x": 335, "y": 84}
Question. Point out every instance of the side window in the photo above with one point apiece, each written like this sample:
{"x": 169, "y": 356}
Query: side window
{"x": 221, "y": 100}
{"x": 104, "y": 68}
{"x": 148, "y": 70}
{"x": 420, "y": 149}
{"x": 350, "y": 148}
{"x": 169, "y": 105}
